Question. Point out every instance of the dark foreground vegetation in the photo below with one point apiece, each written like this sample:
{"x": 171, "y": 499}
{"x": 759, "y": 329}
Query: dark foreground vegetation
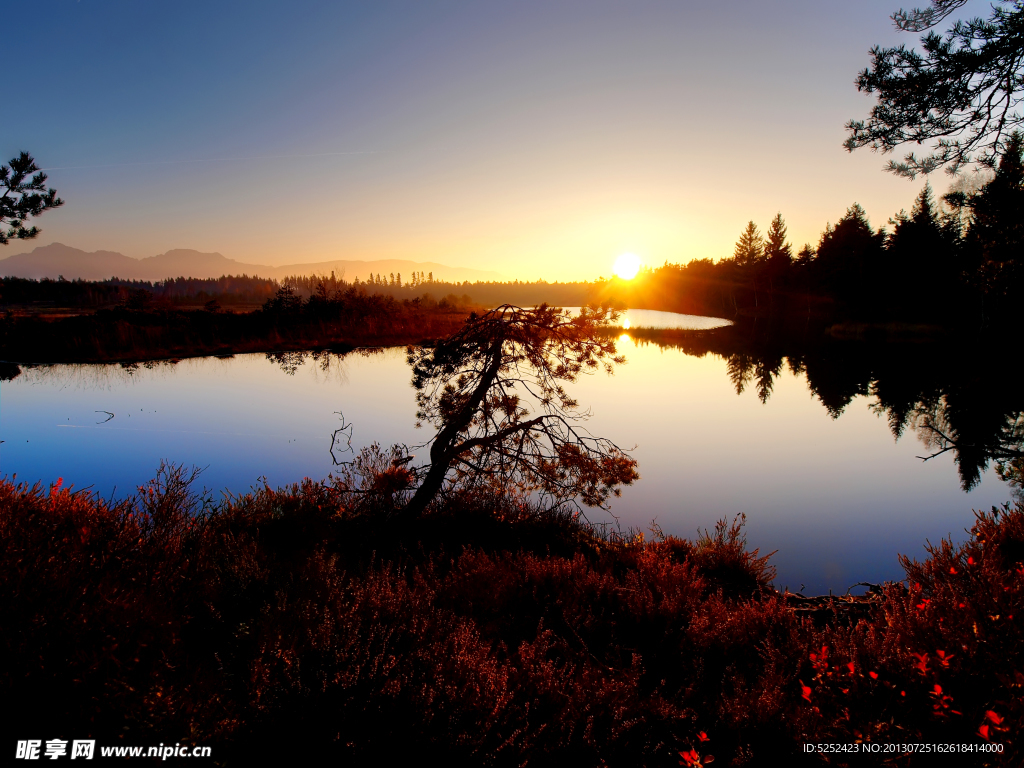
{"x": 307, "y": 621}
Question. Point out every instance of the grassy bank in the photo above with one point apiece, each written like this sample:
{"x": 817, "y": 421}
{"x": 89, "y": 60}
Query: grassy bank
{"x": 283, "y": 324}
{"x": 306, "y": 622}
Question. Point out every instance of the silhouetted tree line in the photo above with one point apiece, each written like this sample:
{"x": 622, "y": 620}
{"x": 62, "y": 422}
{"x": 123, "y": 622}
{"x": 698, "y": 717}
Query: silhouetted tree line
{"x": 956, "y": 265}
{"x": 286, "y": 321}
{"x": 487, "y": 294}
{"x": 416, "y": 281}
{"x": 243, "y": 289}
{"x": 138, "y": 294}
{"x": 960, "y": 265}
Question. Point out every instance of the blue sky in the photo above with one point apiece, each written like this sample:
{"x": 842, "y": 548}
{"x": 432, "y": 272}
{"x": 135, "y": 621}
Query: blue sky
{"x": 540, "y": 139}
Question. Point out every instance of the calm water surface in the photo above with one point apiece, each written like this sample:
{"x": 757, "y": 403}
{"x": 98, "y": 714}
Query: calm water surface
{"x": 837, "y": 497}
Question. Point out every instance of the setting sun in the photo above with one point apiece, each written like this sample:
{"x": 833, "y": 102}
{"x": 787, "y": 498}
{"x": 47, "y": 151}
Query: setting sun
{"x": 627, "y": 265}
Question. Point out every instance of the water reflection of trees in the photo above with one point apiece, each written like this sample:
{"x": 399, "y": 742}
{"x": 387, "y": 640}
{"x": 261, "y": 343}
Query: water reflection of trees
{"x": 327, "y": 365}
{"x": 98, "y": 376}
{"x": 975, "y": 441}
{"x": 955, "y": 400}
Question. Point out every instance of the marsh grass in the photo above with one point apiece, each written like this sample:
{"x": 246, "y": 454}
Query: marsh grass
{"x": 306, "y": 621}
{"x": 285, "y": 323}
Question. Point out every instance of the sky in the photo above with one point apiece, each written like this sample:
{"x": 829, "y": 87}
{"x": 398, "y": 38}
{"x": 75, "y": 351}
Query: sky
{"x": 538, "y": 139}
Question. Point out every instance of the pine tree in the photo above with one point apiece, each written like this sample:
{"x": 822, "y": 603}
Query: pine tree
{"x": 532, "y": 443}
{"x": 924, "y": 213}
{"x": 776, "y": 249}
{"x": 918, "y": 277}
{"x": 806, "y": 255}
{"x": 962, "y": 93}
{"x": 750, "y": 247}
{"x": 850, "y": 259}
{"x": 778, "y": 253}
{"x": 23, "y": 197}
{"x": 996, "y": 234}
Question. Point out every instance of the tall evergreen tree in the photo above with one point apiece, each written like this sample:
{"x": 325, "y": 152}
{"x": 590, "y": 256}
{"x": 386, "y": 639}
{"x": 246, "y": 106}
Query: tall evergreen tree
{"x": 775, "y": 247}
{"x": 920, "y": 274}
{"x": 750, "y": 247}
{"x": 805, "y": 256}
{"x": 849, "y": 260}
{"x": 778, "y": 253}
{"x": 996, "y": 234}
{"x": 924, "y": 209}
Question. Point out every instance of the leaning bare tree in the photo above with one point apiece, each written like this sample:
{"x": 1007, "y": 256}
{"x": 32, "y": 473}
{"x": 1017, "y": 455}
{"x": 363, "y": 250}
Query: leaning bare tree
{"x": 495, "y": 393}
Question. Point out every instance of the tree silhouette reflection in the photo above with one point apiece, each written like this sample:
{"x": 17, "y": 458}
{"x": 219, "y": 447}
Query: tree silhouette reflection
{"x": 954, "y": 398}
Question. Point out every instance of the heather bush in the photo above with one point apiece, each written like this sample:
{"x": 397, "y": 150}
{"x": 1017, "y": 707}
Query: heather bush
{"x": 944, "y": 662}
{"x": 307, "y": 621}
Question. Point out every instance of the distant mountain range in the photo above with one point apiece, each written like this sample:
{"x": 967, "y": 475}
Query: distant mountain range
{"x": 58, "y": 259}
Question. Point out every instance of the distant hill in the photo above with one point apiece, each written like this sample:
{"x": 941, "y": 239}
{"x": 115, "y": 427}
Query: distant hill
{"x": 58, "y": 259}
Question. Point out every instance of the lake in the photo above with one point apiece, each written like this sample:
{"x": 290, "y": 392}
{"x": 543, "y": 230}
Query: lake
{"x": 814, "y": 466}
